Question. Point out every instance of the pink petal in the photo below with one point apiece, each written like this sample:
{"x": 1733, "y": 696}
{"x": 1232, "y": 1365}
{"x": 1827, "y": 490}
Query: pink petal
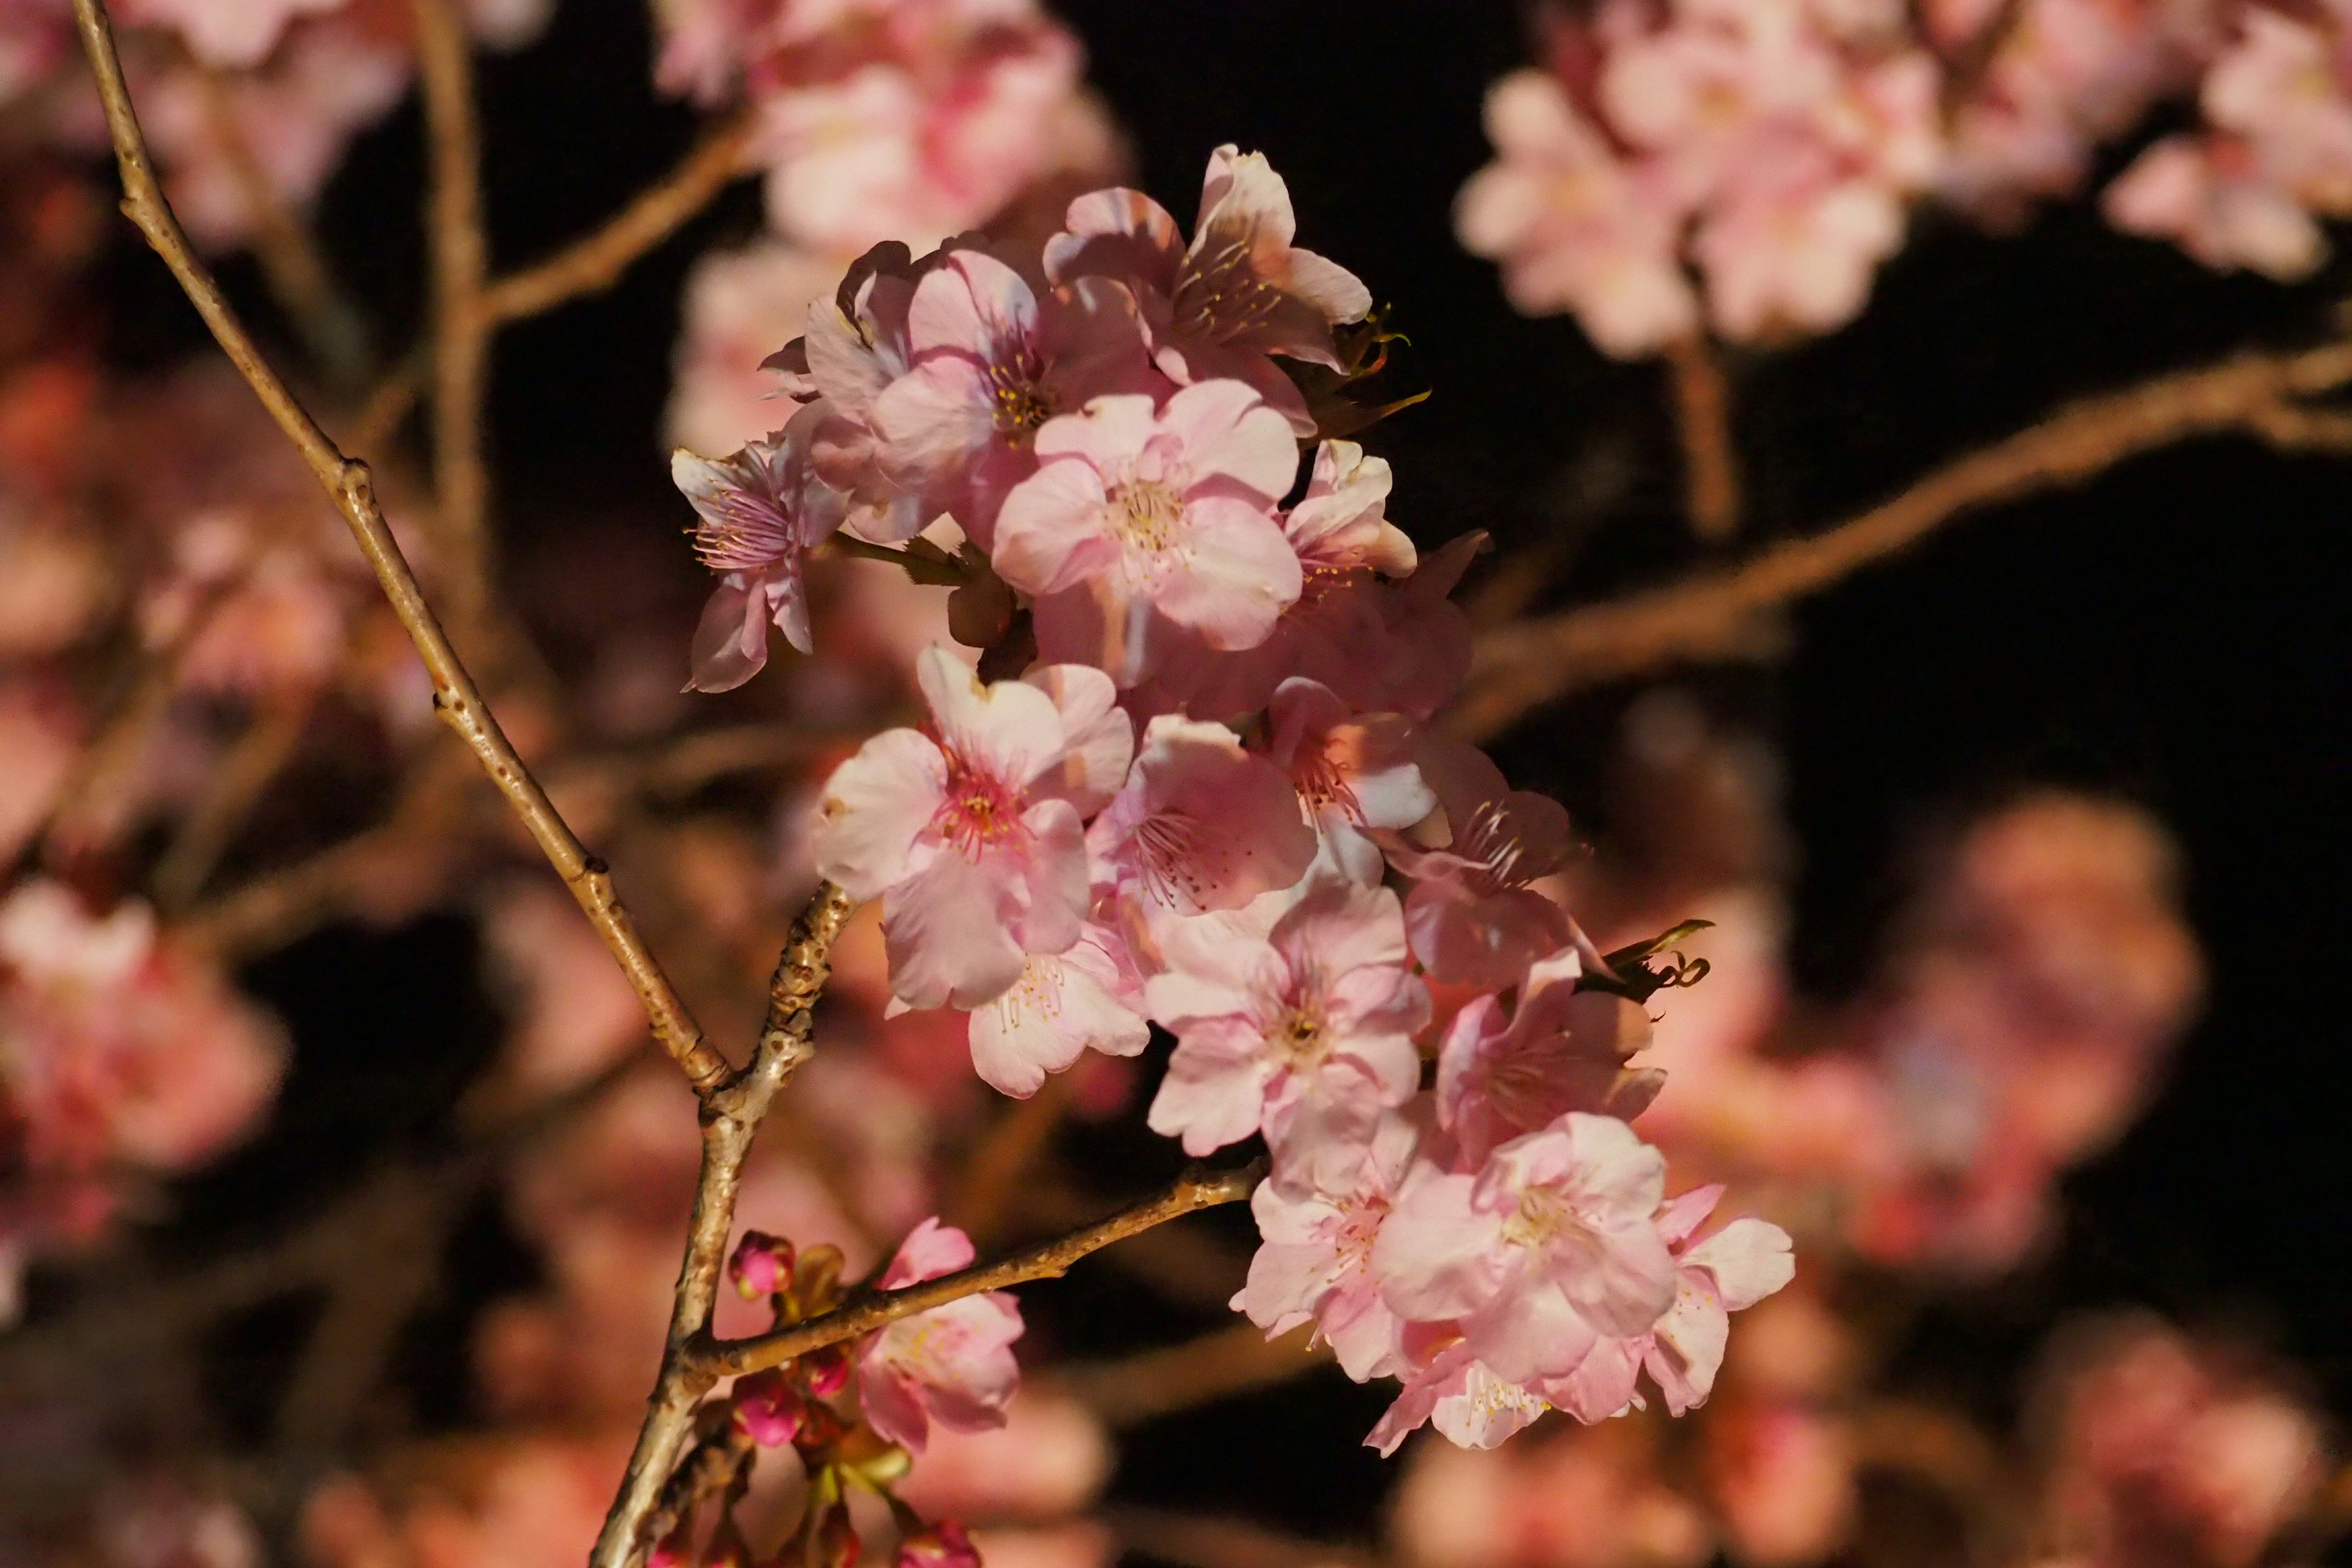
{"x": 874, "y": 805}
{"x": 945, "y": 930}
{"x": 1228, "y": 431}
{"x": 1051, "y": 532}
{"x": 1750, "y": 1259}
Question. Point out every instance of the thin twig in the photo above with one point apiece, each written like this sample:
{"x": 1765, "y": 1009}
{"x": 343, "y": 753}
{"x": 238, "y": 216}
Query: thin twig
{"x": 1521, "y": 666}
{"x": 455, "y": 696}
{"x": 460, "y": 257}
{"x": 1702, "y": 402}
{"x": 1196, "y": 1189}
{"x": 236, "y": 787}
{"x": 596, "y": 262}
{"x": 730, "y": 1120}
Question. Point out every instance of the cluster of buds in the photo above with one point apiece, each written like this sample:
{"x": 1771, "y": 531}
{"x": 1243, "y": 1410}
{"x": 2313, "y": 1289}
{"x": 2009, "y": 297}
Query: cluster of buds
{"x": 853, "y": 1415}
{"x": 1193, "y": 784}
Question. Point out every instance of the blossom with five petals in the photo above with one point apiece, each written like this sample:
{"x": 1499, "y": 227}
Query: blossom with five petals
{"x": 971, "y": 834}
{"x": 952, "y": 1364}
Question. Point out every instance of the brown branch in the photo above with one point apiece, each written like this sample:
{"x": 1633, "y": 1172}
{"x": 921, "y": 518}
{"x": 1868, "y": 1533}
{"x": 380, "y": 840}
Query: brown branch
{"x": 1237, "y": 1359}
{"x": 732, "y": 1117}
{"x": 1521, "y": 666}
{"x": 1196, "y": 1189}
{"x": 455, "y": 696}
{"x": 1702, "y": 401}
{"x": 236, "y": 786}
{"x": 460, "y": 257}
{"x": 597, "y": 261}
{"x": 983, "y": 1194}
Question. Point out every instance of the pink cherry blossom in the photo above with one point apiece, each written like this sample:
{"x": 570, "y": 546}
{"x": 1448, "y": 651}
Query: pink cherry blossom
{"x": 738, "y": 306}
{"x": 1293, "y": 1005}
{"x": 1550, "y": 1246}
{"x": 1142, "y": 514}
{"x": 1576, "y": 227}
{"x": 974, "y": 839}
{"x": 1727, "y": 1272}
{"x": 1561, "y": 1049}
{"x": 1239, "y": 292}
{"x": 769, "y": 1408}
{"x": 1202, "y": 823}
{"x": 988, "y": 362}
{"x": 762, "y": 511}
{"x": 1354, "y": 771}
{"x": 1473, "y": 917}
{"x": 1087, "y": 997}
{"x": 1315, "y": 1263}
{"x": 2217, "y": 203}
{"x": 1458, "y": 1394}
{"x": 952, "y": 1365}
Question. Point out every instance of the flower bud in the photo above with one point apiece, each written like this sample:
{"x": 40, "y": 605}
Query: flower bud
{"x": 769, "y": 1408}
{"x": 837, "y": 1544}
{"x": 821, "y": 1427}
{"x": 761, "y": 1265}
{"x": 873, "y": 1459}
{"x": 943, "y": 1543}
{"x": 826, "y": 1372}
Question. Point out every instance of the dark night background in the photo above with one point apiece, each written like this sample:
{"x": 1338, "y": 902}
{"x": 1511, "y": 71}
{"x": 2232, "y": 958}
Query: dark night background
{"x": 2173, "y": 631}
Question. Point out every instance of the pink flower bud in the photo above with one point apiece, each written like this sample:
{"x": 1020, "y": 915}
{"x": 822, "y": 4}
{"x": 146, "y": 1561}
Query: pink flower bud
{"x": 826, "y": 1372}
{"x": 943, "y": 1543}
{"x": 762, "y": 1267}
{"x": 770, "y": 1409}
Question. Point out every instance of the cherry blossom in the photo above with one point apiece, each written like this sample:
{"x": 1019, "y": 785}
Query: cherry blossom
{"x": 1138, "y": 513}
{"x": 974, "y": 839}
{"x": 1561, "y": 1049}
{"x": 1315, "y": 1263}
{"x": 232, "y": 33}
{"x": 989, "y": 362}
{"x": 1087, "y": 997}
{"x": 1473, "y": 917}
{"x": 1458, "y": 1394}
{"x": 1352, "y": 771}
{"x": 1550, "y": 1245}
{"x": 952, "y": 1365}
{"x": 1239, "y": 292}
{"x": 762, "y": 511}
{"x": 1201, "y": 824}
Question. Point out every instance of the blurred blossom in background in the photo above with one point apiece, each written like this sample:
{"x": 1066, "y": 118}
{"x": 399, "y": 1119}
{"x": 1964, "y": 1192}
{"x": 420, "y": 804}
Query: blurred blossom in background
{"x": 341, "y": 1191}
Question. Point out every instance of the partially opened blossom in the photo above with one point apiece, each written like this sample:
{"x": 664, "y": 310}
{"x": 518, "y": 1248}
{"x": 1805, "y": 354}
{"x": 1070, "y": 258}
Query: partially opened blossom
{"x": 1575, "y": 226}
{"x": 1460, "y": 1395}
{"x": 1315, "y": 1260}
{"x": 1353, "y": 771}
{"x": 971, "y": 834}
{"x": 1309, "y": 1008}
{"x": 990, "y": 361}
{"x": 1138, "y": 513}
{"x": 1201, "y": 824}
{"x": 952, "y": 1365}
{"x": 1560, "y": 1049}
{"x": 1087, "y": 997}
{"x": 1474, "y": 919}
{"x": 1548, "y": 1246}
{"x": 1239, "y": 292}
{"x": 762, "y": 511}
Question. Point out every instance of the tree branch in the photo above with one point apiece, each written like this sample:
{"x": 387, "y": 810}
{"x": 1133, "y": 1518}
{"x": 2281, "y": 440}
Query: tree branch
{"x": 1523, "y": 664}
{"x": 1235, "y": 1359}
{"x": 460, "y": 260}
{"x": 1702, "y": 402}
{"x": 455, "y": 697}
{"x": 1196, "y": 1189}
{"x": 596, "y": 262}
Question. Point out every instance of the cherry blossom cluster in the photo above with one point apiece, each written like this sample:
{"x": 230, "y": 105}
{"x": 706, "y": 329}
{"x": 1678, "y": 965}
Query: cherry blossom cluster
{"x": 950, "y": 1368}
{"x": 1744, "y": 167}
{"x": 120, "y": 1053}
{"x": 1207, "y": 759}
{"x": 889, "y": 119}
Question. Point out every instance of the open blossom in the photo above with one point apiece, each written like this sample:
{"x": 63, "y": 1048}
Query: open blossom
{"x": 1353, "y": 771}
{"x": 1561, "y": 1049}
{"x": 1575, "y": 226}
{"x": 989, "y": 362}
{"x": 1136, "y": 514}
{"x": 1239, "y": 292}
{"x": 1281, "y": 1010}
{"x": 1087, "y": 997}
{"x": 1315, "y": 1263}
{"x": 762, "y": 511}
{"x": 1550, "y": 1246}
{"x": 1450, "y": 1388}
{"x": 952, "y": 1365}
{"x": 1201, "y": 824}
{"x": 1728, "y": 1271}
{"x": 973, "y": 839}
{"x": 1474, "y": 919}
